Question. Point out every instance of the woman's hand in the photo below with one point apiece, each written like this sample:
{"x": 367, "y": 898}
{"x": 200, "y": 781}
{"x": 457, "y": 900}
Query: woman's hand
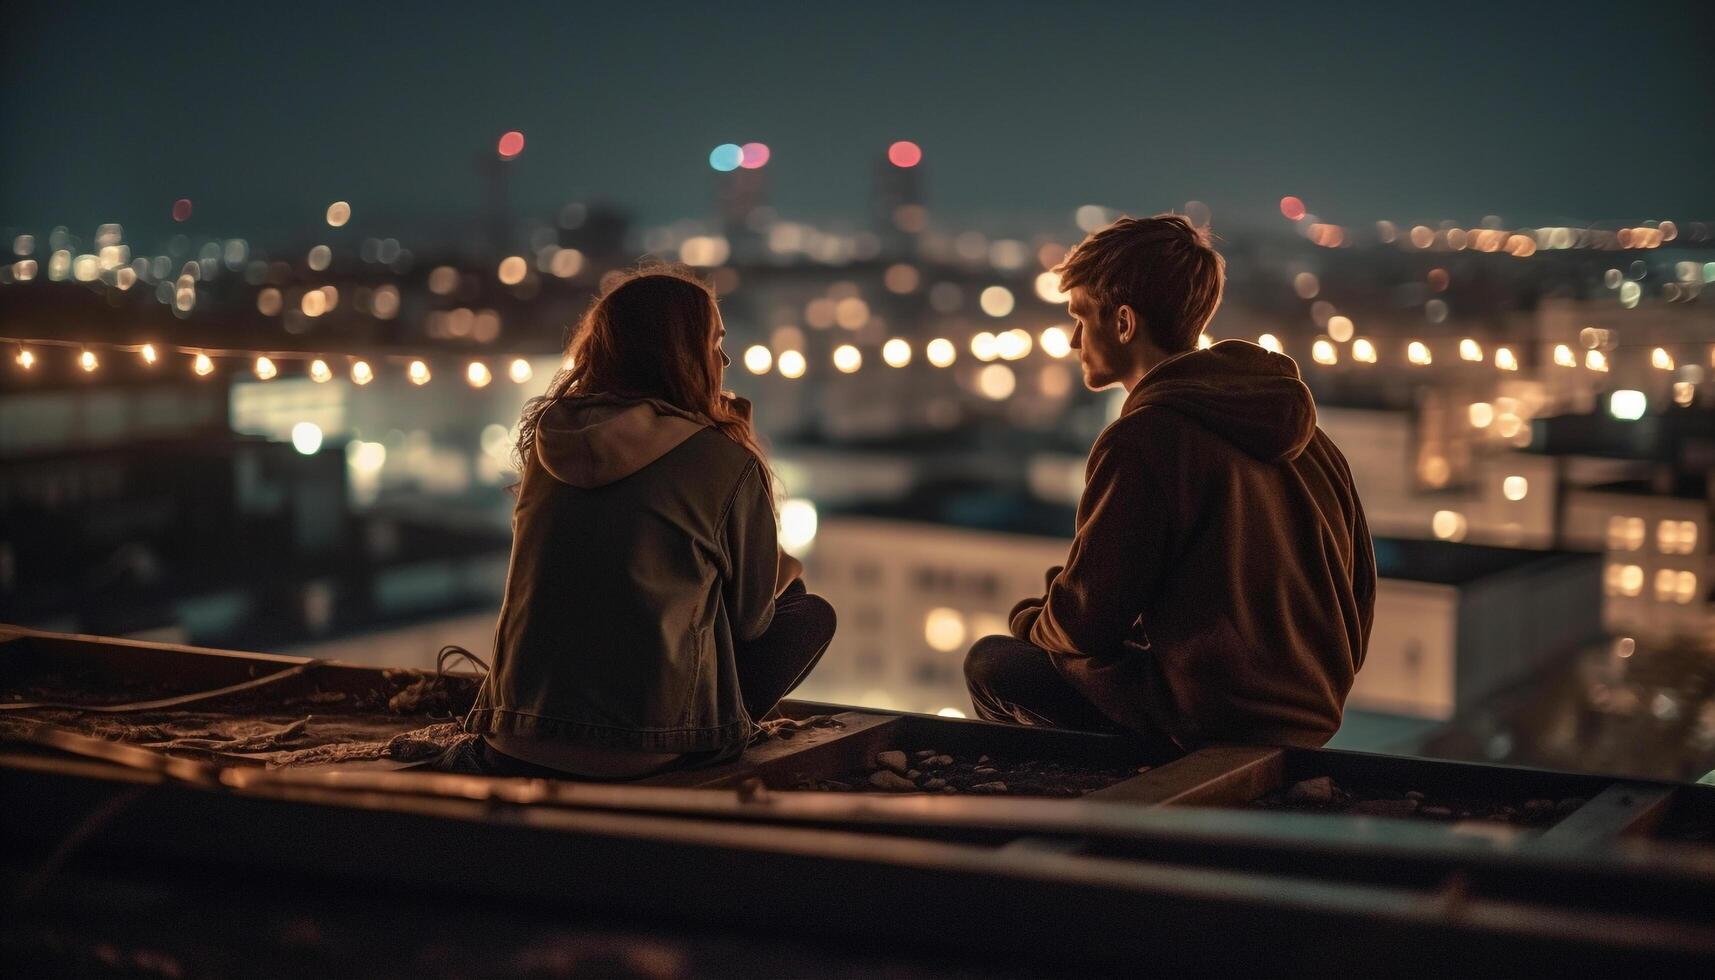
{"x": 737, "y": 404}
{"x": 788, "y": 569}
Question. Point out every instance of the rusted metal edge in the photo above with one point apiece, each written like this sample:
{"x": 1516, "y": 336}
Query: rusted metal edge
{"x": 1213, "y": 776}
{"x": 1621, "y": 810}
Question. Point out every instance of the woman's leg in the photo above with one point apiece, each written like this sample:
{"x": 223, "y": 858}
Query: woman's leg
{"x": 771, "y": 665}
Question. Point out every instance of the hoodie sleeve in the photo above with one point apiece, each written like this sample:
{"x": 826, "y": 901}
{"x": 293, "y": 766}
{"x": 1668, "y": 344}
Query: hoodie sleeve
{"x": 1116, "y": 559}
{"x": 752, "y": 557}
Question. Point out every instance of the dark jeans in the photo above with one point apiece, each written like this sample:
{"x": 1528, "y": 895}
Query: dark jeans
{"x": 769, "y": 667}
{"x": 1014, "y": 682}
{"x": 773, "y": 664}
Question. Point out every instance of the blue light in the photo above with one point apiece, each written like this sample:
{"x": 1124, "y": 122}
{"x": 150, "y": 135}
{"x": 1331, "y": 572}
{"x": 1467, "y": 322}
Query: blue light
{"x": 726, "y": 156}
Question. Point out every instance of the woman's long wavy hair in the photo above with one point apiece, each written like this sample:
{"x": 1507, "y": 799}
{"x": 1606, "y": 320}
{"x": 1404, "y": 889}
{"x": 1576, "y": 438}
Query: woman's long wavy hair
{"x": 648, "y": 336}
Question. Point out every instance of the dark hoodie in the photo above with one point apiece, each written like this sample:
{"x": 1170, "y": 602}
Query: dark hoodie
{"x": 1221, "y": 583}
{"x": 643, "y": 551}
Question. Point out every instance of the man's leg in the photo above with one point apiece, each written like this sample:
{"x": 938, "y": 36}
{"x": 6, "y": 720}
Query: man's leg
{"x": 770, "y": 666}
{"x": 1014, "y": 682}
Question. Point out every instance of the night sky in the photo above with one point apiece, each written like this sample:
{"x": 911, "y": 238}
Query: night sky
{"x": 263, "y": 114}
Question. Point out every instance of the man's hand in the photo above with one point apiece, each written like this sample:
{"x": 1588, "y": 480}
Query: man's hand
{"x": 788, "y": 569}
{"x": 1025, "y": 612}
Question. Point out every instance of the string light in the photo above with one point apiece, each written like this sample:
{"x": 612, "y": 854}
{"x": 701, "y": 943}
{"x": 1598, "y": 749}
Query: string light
{"x": 148, "y": 352}
{"x": 791, "y": 364}
{"x": 758, "y": 359}
{"x": 896, "y": 352}
{"x": 847, "y": 358}
{"x": 26, "y": 360}
{"x": 202, "y": 365}
{"x": 1270, "y": 342}
{"x": 361, "y": 373}
{"x": 320, "y": 373}
{"x": 520, "y": 371}
{"x": 418, "y": 372}
{"x": 1363, "y": 351}
{"x": 87, "y": 360}
{"x": 1470, "y": 350}
{"x": 1661, "y": 360}
{"x": 477, "y": 374}
{"x": 1505, "y": 359}
{"x": 941, "y": 352}
{"x": 1564, "y": 357}
{"x": 265, "y": 368}
{"x": 1417, "y": 352}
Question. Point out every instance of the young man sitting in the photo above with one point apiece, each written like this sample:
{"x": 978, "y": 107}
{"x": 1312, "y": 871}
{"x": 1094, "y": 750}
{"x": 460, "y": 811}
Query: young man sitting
{"x": 1221, "y": 581}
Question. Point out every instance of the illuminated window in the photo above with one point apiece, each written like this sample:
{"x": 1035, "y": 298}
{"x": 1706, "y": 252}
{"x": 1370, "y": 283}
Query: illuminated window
{"x": 1665, "y": 584}
{"x": 1685, "y": 587}
{"x": 1631, "y": 580}
{"x": 1625, "y": 533}
{"x": 944, "y": 629}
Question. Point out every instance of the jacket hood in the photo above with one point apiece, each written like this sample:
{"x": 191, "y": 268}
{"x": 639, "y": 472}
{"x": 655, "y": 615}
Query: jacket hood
{"x": 1250, "y": 396}
{"x": 590, "y": 441}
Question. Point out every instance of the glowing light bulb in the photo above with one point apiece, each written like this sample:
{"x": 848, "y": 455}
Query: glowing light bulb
{"x": 1055, "y": 343}
{"x": 847, "y": 358}
{"x": 149, "y": 355}
{"x": 984, "y": 346}
{"x": 320, "y": 373}
{"x": 1470, "y": 350}
{"x": 362, "y": 373}
{"x": 202, "y": 365}
{"x": 1363, "y": 350}
{"x": 1515, "y": 487}
{"x": 519, "y": 372}
{"x": 1323, "y": 352}
{"x": 478, "y": 374}
{"x": 1595, "y": 360}
{"x": 941, "y": 352}
{"x": 418, "y": 372}
{"x": 791, "y": 364}
{"x": 87, "y": 360}
{"x": 1269, "y": 341}
{"x": 758, "y": 359}
{"x": 1417, "y": 352}
{"x": 1661, "y": 360}
{"x": 1564, "y": 357}
{"x": 1012, "y": 345}
{"x": 26, "y": 360}
{"x": 1505, "y": 359}
{"x": 896, "y": 352}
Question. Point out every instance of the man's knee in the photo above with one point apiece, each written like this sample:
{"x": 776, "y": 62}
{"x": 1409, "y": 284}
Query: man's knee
{"x": 986, "y": 661}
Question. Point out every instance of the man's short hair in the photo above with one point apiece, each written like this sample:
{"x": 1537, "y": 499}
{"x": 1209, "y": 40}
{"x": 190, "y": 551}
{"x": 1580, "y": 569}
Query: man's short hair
{"x": 1162, "y": 267}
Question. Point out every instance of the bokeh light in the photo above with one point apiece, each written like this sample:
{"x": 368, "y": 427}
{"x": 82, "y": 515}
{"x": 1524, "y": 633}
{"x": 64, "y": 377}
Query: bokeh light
{"x": 510, "y": 145}
{"x": 1292, "y": 208}
{"x": 182, "y": 209}
{"x": 996, "y": 382}
{"x": 1055, "y": 342}
{"x": 758, "y": 359}
{"x": 752, "y": 156}
{"x": 726, "y": 157}
{"x": 941, "y": 352}
{"x": 896, "y": 352}
{"x": 847, "y": 358}
{"x": 904, "y": 153}
{"x": 339, "y": 212}
{"x": 791, "y": 364}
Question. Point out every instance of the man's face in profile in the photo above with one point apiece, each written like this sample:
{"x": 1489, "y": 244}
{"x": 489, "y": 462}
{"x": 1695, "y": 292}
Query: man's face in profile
{"x": 1098, "y": 349}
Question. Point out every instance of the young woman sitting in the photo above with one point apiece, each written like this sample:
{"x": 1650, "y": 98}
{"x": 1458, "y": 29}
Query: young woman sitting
{"x": 650, "y": 617}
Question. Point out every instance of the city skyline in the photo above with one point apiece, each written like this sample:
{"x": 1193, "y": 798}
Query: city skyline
{"x": 1365, "y": 115}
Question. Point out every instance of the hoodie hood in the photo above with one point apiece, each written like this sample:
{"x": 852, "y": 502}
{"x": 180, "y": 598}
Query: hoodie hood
{"x": 1250, "y": 396}
{"x": 589, "y": 441}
